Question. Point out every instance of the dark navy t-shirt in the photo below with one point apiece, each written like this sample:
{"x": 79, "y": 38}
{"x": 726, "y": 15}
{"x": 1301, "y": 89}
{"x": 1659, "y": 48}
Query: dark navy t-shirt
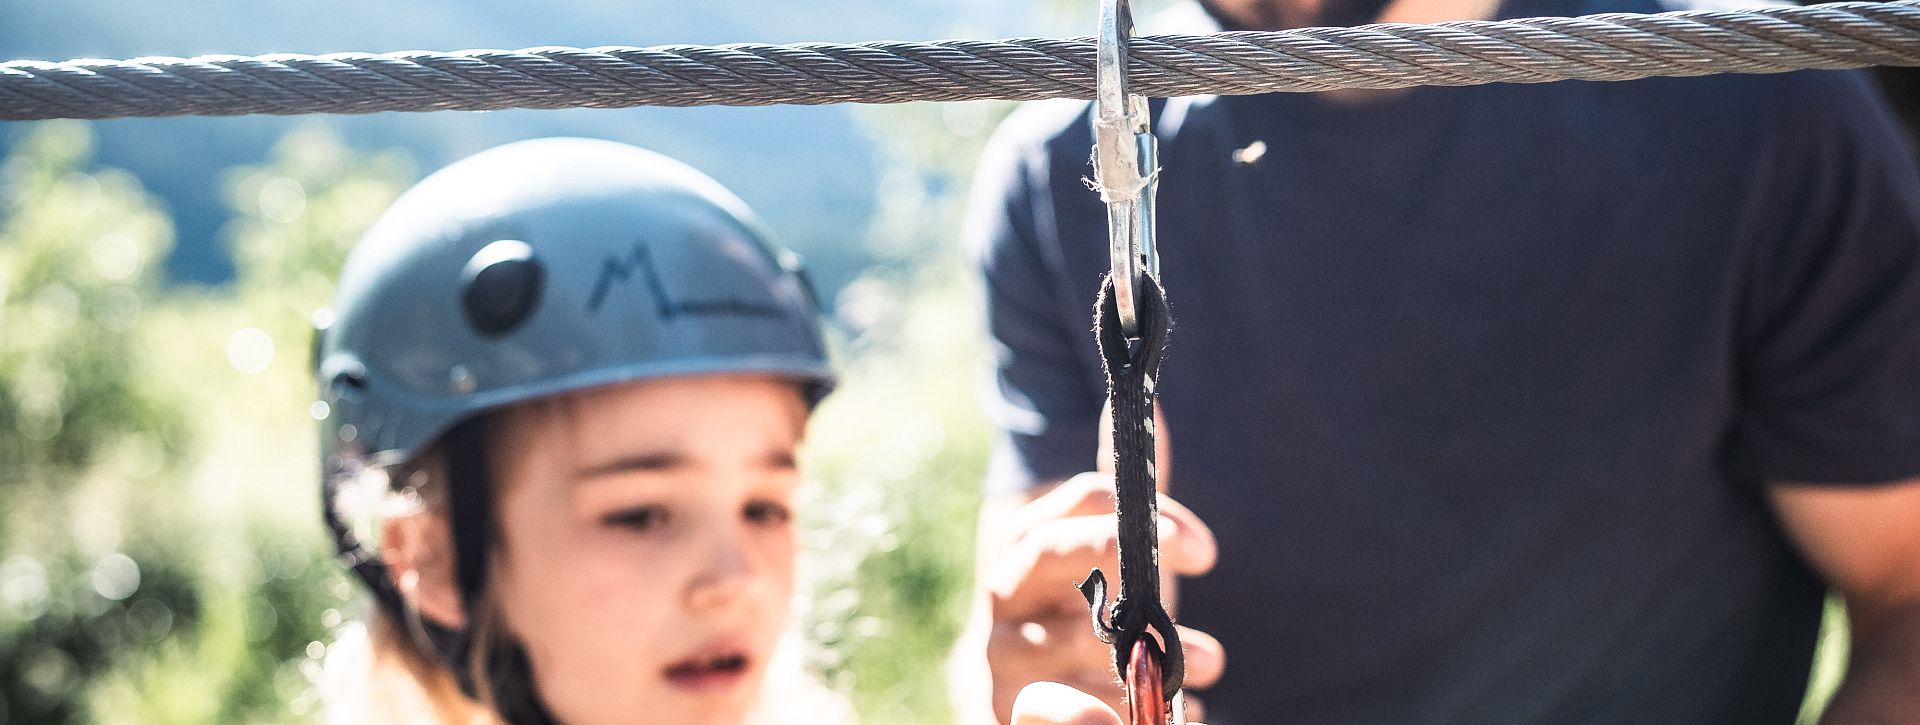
{"x": 1480, "y": 387}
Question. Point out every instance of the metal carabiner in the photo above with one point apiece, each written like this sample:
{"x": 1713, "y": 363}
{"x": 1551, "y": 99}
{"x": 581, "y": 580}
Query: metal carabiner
{"x": 1126, "y": 165}
{"x": 1147, "y": 702}
{"x": 1126, "y": 170}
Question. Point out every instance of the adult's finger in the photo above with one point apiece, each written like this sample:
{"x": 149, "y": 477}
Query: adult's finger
{"x": 1086, "y": 494}
{"x": 1051, "y": 703}
{"x": 1192, "y": 539}
{"x": 1065, "y": 652}
{"x": 1091, "y": 494}
{"x": 1058, "y": 646}
{"x": 1205, "y": 658}
{"x": 1042, "y": 567}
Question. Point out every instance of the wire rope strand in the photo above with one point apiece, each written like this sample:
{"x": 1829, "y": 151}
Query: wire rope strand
{"x": 1606, "y": 47}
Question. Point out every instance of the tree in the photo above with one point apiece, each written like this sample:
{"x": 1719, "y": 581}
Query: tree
{"x": 900, "y": 448}
{"x": 269, "y": 595}
{"x": 160, "y": 567}
{"x": 82, "y": 430}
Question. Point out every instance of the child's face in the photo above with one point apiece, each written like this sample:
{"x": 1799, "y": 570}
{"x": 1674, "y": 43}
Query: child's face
{"x": 647, "y": 558}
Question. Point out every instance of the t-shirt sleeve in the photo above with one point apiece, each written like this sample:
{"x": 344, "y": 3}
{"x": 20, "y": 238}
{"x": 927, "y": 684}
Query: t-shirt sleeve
{"x": 1830, "y": 350}
{"x": 1038, "y": 397}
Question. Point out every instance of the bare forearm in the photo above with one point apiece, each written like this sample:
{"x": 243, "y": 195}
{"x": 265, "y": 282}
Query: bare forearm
{"x": 1880, "y": 687}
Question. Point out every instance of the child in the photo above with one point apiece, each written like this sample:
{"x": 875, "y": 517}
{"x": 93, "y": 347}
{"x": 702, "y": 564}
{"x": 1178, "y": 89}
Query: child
{"x": 573, "y": 375}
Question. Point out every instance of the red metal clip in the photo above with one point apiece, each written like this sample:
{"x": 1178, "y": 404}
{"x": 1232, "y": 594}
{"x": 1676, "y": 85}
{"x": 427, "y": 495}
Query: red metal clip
{"x": 1146, "y": 695}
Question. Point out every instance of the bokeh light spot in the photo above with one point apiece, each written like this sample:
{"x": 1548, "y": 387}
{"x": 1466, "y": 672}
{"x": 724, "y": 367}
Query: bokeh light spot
{"x": 23, "y": 586}
{"x": 282, "y": 200}
{"x": 150, "y": 619}
{"x": 115, "y": 576}
{"x": 250, "y": 350}
{"x": 116, "y": 256}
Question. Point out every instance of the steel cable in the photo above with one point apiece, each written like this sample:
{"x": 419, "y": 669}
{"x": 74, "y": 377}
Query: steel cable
{"x": 1598, "y": 47}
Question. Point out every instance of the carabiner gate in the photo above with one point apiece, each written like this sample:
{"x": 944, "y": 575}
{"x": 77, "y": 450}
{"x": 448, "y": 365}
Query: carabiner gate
{"x": 1126, "y": 164}
{"x": 1147, "y": 701}
{"x": 1126, "y": 169}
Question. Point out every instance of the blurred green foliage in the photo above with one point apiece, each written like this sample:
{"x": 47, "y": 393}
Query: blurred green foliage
{"x": 1829, "y": 661}
{"x": 162, "y": 561}
{"x": 900, "y": 448}
{"x": 84, "y": 432}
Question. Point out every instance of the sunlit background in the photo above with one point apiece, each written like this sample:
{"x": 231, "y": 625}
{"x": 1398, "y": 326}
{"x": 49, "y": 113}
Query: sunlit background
{"x": 161, "y": 555}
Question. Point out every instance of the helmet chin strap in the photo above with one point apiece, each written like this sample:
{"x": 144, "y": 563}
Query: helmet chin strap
{"x": 469, "y": 493}
{"x": 470, "y": 509}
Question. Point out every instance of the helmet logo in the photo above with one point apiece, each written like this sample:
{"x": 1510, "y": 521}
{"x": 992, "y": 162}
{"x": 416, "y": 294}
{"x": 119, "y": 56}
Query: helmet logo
{"x": 638, "y": 261}
{"x": 461, "y": 380}
{"x": 500, "y": 287}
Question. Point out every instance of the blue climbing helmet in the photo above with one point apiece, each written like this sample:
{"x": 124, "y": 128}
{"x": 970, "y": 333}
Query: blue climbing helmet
{"x": 546, "y": 266}
{"x": 530, "y": 270}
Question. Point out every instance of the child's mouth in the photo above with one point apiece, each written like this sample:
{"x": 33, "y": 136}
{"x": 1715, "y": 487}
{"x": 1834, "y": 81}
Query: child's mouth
{"x": 707, "y": 673}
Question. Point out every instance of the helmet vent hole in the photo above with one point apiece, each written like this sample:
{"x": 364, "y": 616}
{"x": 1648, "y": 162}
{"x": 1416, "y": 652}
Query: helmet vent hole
{"x": 353, "y": 378}
{"x": 500, "y": 287}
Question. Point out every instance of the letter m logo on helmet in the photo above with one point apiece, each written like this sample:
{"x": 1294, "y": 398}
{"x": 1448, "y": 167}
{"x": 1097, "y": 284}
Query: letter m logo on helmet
{"x": 547, "y": 266}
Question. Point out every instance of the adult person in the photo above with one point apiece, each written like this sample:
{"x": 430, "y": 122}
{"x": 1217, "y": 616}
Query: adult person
{"x": 1556, "y": 403}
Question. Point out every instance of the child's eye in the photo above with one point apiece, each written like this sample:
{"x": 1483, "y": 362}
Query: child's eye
{"x": 768, "y": 513}
{"x": 638, "y": 518}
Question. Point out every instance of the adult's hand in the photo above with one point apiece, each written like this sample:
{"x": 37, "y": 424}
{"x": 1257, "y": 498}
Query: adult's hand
{"x": 1051, "y": 703}
{"x": 1040, "y": 630}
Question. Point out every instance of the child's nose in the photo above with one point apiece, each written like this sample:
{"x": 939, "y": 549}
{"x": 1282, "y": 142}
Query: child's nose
{"x": 729, "y": 574}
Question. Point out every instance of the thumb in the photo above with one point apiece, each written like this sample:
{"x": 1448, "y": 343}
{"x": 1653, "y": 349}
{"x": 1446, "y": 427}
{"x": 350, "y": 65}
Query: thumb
{"x": 1051, "y": 703}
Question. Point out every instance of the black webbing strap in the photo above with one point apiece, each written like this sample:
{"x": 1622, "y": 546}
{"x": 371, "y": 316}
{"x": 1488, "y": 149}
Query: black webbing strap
{"x": 470, "y": 497}
{"x": 1132, "y": 363}
{"x": 469, "y": 492}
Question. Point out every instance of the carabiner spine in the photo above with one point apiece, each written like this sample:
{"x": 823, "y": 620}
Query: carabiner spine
{"x": 1147, "y": 703}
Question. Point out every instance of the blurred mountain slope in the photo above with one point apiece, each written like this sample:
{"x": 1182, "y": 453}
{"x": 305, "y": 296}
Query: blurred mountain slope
{"x": 808, "y": 171}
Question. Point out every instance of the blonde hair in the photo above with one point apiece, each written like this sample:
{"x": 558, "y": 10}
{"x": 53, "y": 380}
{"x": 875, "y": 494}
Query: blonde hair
{"x": 381, "y": 671}
{"x": 388, "y": 670}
